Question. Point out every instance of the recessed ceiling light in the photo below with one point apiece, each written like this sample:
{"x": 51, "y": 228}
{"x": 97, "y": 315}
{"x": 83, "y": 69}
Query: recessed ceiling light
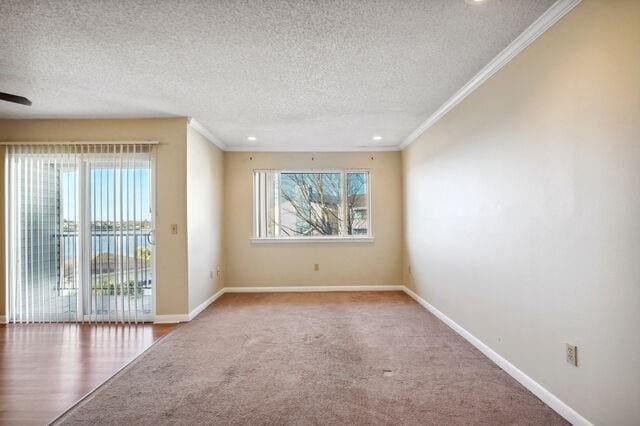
{"x": 377, "y": 138}
{"x": 476, "y": 1}
{"x": 252, "y": 138}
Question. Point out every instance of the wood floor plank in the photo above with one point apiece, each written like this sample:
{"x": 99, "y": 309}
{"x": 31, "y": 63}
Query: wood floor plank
{"x": 46, "y": 368}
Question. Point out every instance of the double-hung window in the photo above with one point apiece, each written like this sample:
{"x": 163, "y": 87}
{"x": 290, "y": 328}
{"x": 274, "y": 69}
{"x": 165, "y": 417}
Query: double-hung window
{"x": 294, "y": 205}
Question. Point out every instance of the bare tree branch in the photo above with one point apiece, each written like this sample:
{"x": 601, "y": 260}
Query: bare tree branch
{"x": 314, "y": 198}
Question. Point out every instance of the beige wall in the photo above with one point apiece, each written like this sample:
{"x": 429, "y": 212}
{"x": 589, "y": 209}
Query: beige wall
{"x": 522, "y": 211}
{"x": 205, "y": 189}
{"x": 170, "y": 187}
{"x": 290, "y": 264}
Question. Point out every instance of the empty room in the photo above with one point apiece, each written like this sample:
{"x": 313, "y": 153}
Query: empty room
{"x": 421, "y": 212}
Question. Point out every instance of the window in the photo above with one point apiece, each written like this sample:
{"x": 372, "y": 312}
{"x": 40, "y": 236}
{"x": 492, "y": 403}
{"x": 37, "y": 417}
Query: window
{"x": 311, "y": 204}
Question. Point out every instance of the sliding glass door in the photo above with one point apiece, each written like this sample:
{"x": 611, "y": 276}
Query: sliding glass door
{"x": 79, "y": 233}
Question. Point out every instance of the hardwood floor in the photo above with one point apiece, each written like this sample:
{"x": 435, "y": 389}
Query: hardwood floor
{"x": 46, "y": 368}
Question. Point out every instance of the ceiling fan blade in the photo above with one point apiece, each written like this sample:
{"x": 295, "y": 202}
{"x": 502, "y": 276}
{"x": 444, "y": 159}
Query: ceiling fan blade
{"x": 15, "y": 99}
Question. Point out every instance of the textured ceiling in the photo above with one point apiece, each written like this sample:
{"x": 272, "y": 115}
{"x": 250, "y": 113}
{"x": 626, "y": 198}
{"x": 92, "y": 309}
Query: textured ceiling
{"x": 292, "y": 73}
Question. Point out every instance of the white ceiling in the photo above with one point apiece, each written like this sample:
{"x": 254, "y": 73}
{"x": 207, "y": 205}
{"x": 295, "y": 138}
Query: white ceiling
{"x": 295, "y": 74}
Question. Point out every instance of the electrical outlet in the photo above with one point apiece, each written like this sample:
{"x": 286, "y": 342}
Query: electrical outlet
{"x": 316, "y": 266}
{"x": 174, "y": 228}
{"x": 572, "y": 354}
{"x": 409, "y": 268}
{"x": 218, "y": 271}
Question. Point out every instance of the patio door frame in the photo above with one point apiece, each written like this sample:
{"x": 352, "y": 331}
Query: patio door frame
{"x": 83, "y": 311}
{"x": 84, "y": 236}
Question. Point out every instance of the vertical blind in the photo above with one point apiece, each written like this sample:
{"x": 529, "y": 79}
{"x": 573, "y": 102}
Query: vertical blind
{"x": 266, "y": 211}
{"x": 79, "y": 232}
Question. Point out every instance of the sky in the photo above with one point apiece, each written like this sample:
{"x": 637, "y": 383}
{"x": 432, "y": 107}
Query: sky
{"x": 356, "y": 182}
{"x": 101, "y": 188}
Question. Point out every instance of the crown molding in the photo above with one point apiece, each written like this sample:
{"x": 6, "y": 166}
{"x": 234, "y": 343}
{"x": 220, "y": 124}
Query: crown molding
{"x": 198, "y": 127}
{"x": 528, "y": 36}
{"x": 552, "y": 15}
{"x": 312, "y": 148}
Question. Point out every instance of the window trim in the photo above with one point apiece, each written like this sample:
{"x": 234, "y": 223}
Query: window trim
{"x": 368, "y": 238}
{"x": 315, "y": 239}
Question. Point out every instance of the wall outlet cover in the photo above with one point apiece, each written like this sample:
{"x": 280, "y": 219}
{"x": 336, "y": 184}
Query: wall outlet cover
{"x": 572, "y": 354}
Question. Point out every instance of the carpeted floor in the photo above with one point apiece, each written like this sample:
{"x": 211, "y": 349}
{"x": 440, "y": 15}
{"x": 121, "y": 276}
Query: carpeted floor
{"x": 312, "y": 358}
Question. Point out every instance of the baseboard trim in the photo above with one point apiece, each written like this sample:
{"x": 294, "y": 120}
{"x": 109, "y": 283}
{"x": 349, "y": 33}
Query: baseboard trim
{"x": 174, "y": 318}
{"x": 206, "y": 303}
{"x": 171, "y": 319}
{"x": 3, "y": 319}
{"x": 312, "y": 288}
{"x": 538, "y": 390}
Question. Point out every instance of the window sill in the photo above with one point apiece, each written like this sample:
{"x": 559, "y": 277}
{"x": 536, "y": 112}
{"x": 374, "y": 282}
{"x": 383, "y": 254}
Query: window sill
{"x": 304, "y": 240}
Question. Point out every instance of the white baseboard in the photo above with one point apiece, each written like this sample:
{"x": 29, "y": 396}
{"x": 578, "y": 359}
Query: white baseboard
{"x": 206, "y": 303}
{"x": 171, "y": 319}
{"x": 538, "y": 390}
{"x": 174, "y": 318}
{"x": 311, "y": 288}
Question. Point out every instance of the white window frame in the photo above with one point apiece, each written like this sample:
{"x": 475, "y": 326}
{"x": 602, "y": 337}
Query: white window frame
{"x": 369, "y": 238}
